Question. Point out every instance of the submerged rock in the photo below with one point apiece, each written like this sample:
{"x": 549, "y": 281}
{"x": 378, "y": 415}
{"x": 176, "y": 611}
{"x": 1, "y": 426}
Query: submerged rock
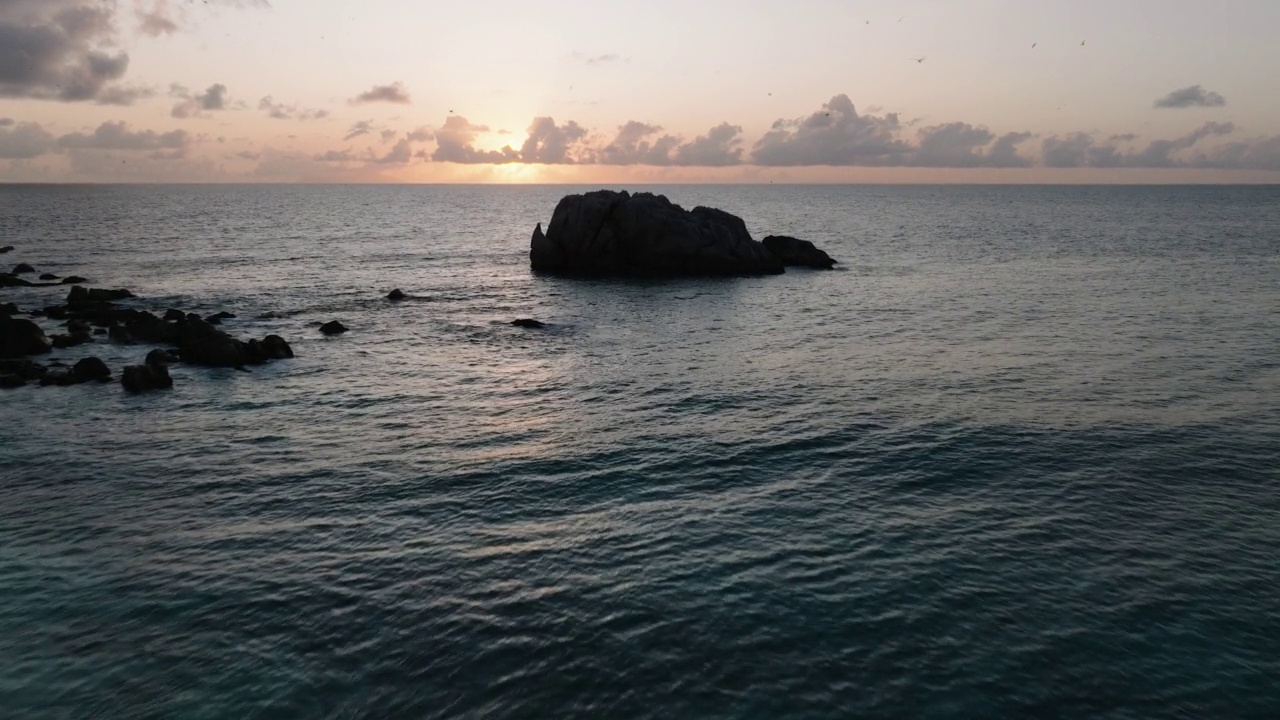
{"x": 396, "y": 294}
{"x": 48, "y": 276}
{"x": 143, "y": 378}
{"x": 528, "y": 323}
{"x": 794, "y": 251}
{"x": 333, "y": 327}
{"x": 21, "y": 337}
{"x": 7, "y": 280}
{"x": 607, "y": 233}
{"x": 80, "y": 295}
{"x": 73, "y": 280}
{"x": 6, "y": 249}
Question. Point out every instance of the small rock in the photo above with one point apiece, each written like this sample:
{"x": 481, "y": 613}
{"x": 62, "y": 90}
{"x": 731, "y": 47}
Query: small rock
{"x": 7, "y": 280}
{"x": 172, "y": 315}
{"x": 161, "y": 357}
{"x": 5, "y": 249}
{"x": 8, "y": 382}
{"x": 276, "y": 348}
{"x": 67, "y": 341}
{"x": 396, "y": 294}
{"x": 141, "y": 378}
{"x": 73, "y": 280}
{"x": 21, "y": 268}
{"x": 91, "y": 368}
{"x": 213, "y": 320}
{"x": 528, "y": 323}
{"x": 224, "y": 316}
{"x": 79, "y": 327}
{"x": 333, "y": 327}
{"x": 48, "y": 276}
{"x": 794, "y": 251}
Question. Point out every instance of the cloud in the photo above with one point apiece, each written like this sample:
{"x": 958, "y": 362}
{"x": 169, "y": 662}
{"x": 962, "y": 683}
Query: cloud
{"x": 24, "y": 141}
{"x": 1082, "y": 150}
{"x": 719, "y": 147}
{"x": 337, "y": 156}
{"x": 118, "y": 136}
{"x": 1194, "y": 96}
{"x": 281, "y": 111}
{"x": 155, "y": 20}
{"x": 606, "y": 59}
{"x": 362, "y": 127}
{"x": 387, "y": 135}
{"x": 834, "y": 135}
{"x": 211, "y": 100}
{"x": 56, "y": 49}
{"x": 393, "y": 93}
{"x": 961, "y": 145}
{"x": 248, "y": 155}
{"x": 454, "y": 144}
{"x": 124, "y": 95}
{"x": 550, "y": 143}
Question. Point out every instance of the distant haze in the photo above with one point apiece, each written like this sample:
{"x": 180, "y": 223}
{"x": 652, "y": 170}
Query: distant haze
{"x": 608, "y": 93}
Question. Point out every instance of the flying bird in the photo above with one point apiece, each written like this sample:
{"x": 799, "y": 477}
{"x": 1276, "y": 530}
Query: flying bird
{"x": 1081, "y": 43}
{"x": 919, "y": 59}
{"x": 1033, "y": 45}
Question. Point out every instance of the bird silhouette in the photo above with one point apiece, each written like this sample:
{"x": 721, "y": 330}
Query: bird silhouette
{"x": 1081, "y": 43}
{"x": 919, "y": 59}
{"x": 1033, "y": 45}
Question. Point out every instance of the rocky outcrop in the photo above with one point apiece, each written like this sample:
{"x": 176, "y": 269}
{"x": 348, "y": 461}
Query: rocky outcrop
{"x": 796, "y": 252}
{"x": 7, "y": 280}
{"x": 333, "y": 327}
{"x": 607, "y": 233}
{"x": 21, "y": 337}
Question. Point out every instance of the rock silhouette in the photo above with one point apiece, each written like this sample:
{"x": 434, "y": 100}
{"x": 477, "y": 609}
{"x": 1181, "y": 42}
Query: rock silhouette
{"x": 333, "y": 327}
{"x": 396, "y": 294}
{"x": 21, "y": 337}
{"x": 142, "y": 378}
{"x": 794, "y": 251}
{"x": 528, "y": 323}
{"x": 21, "y": 268}
{"x": 608, "y": 233}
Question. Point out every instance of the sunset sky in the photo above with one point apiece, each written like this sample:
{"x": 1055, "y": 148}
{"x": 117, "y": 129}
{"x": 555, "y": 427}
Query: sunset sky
{"x": 575, "y": 91}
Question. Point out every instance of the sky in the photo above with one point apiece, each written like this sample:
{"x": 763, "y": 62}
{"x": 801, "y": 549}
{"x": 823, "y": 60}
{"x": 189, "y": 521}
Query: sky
{"x": 569, "y": 91}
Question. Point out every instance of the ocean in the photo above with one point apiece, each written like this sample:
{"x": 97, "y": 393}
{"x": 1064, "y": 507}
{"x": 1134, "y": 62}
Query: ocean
{"x": 1018, "y": 456}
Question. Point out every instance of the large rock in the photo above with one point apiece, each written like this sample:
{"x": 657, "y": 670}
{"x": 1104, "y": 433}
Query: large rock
{"x": 21, "y": 337}
{"x": 333, "y": 327}
{"x": 92, "y": 368}
{"x": 606, "y": 233}
{"x": 794, "y": 251}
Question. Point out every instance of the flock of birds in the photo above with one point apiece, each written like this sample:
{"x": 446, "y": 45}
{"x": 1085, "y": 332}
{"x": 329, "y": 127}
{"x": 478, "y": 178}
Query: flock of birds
{"x": 922, "y": 59}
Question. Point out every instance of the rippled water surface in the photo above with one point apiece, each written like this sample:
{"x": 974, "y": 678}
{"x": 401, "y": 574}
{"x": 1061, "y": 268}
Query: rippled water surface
{"x": 1019, "y": 456}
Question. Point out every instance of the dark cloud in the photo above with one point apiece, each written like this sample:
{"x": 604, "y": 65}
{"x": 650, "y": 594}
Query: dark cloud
{"x": 248, "y": 155}
{"x": 281, "y": 111}
{"x": 1194, "y": 96}
{"x": 834, "y": 135}
{"x": 24, "y": 141}
{"x": 961, "y": 145}
{"x": 211, "y": 100}
{"x": 118, "y": 136}
{"x": 1257, "y": 154}
{"x": 393, "y": 93}
{"x": 553, "y": 144}
{"x": 1082, "y": 150}
{"x": 57, "y": 49}
{"x": 454, "y": 144}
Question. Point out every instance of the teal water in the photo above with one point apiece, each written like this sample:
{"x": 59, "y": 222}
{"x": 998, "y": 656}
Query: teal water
{"x": 1018, "y": 457}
